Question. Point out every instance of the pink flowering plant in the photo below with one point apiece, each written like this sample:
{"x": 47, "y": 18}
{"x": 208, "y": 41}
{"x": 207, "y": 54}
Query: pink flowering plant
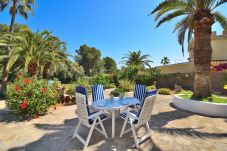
{"x": 30, "y": 97}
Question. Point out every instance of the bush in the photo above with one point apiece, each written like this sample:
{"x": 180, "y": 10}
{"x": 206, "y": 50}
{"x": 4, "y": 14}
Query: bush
{"x": 152, "y": 87}
{"x": 30, "y": 97}
{"x": 69, "y": 88}
{"x": 164, "y": 91}
{"x": 126, "y": 85}
{"x": 101, "y": 79}
{"x": 144, "y": 78}
{"x": 85, "y": 82}
{"x": 116, "y": 92}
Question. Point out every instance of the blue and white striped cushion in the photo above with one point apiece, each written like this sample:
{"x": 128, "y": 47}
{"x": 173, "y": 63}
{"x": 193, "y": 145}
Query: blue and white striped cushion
{"x": 83, "y": 90}
{"x": 140, "y": 92}
{"x": 97, "y": 92}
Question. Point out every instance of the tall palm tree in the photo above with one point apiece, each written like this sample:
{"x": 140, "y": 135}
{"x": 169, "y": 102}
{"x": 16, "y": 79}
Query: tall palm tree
{"x": 165, "y": 61}
{"x": 136, "y": 58}
{"x": 36, "y": 51}
{"x": 198, "y": 18}
{"x": 15, "y": 6}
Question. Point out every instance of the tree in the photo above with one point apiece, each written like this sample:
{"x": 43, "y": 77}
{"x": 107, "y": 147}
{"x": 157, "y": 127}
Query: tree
{"x": 165, "y": 61}
{"x": 109, "y": 65}
{"x": 36, "y": 52}
{"x": 198, "y": 18}
{"x": 136, "y": 58}
{"x": 90, "y": 59}
{"x": 15, "y": 6}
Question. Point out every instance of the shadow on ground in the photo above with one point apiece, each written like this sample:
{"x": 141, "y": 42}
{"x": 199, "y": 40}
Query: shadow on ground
{"x": 59, "y": 138}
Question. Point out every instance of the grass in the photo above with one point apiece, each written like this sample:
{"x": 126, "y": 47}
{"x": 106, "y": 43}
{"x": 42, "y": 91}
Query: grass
{"x": 213, "y": 98}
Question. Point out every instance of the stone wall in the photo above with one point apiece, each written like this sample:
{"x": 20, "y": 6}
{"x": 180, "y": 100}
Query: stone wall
{"x": 186, "y": 81}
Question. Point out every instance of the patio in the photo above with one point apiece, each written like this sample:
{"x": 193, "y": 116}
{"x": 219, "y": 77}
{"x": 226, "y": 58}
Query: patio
{"x": 172, "y": 129}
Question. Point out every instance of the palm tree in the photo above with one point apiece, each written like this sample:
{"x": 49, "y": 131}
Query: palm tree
{"x": 37, "y": 52}
{"x": 15, "y": 6}
{"x": 136, "y": 58}
{"x": 198, "y": 18}
{"x": 165, "y": 61}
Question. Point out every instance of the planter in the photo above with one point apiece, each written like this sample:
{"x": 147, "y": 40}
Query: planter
{"x": 204, "y": 108}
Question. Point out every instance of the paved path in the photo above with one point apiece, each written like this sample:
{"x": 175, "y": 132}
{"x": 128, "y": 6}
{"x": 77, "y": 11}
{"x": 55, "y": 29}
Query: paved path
{"x": 172, "y": 130}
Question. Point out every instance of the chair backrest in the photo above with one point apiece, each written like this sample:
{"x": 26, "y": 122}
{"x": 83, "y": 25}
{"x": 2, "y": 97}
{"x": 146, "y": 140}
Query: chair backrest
{"x": 82, "y": 108}
{"x": 83, "y": 90}
{"x": 97, "y": 92}
{"x": 146, "y": 110}
{"x": 140, "y": 92}
{"x": 151, "y": 92}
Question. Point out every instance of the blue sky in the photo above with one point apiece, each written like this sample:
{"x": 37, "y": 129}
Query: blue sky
{"x": 113, "y": 26}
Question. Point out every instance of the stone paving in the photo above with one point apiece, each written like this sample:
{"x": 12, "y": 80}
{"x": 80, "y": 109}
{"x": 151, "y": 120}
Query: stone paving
{"x": 172, "y": 130}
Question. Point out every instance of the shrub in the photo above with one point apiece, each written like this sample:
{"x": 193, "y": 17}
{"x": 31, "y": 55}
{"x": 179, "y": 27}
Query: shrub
{"x": 126, "y": 85}
{"x": 152, "y": 87}
{"x": 30, "y": 97}
{"x": 164, "y": 91}
{"x": 85, "y": 82}
{"x": 69, "y": 88}
{"x": 116, "y": 92}
{"x": 101, "y": 79}
{"x": 144, "y": 78}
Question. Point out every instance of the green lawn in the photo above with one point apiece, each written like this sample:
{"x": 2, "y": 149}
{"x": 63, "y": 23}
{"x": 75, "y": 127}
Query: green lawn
{"x": 213, "y": 99}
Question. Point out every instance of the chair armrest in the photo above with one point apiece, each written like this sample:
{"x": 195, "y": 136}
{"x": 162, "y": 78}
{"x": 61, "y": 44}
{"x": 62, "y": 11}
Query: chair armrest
{"x": 131, "y": 115}
{"x": 96, "y": 114}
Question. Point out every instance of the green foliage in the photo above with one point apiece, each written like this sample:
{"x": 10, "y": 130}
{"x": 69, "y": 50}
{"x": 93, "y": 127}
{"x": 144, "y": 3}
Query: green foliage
{"x": 152, "y": 87}
{"x": 136, "y": 58}
{"x": 129, "y": 72}
{"x": 126, "y": 85}
{"x": 165, "y": 61}
{"x": 90, "y": 59}
{"x": 85, "y": 82}
{"x": 164, "y": 91}
{"x": 110, "y": 65}
{"x": 169, "y": 9}
{"x": 101, "y": 79}
{"x": 29, "y": 97}
{"x": 116, "y": 92}
{"x": 213, "y": 98}
{"x": 69, "y": 88}
{"x": 144, "y": 78}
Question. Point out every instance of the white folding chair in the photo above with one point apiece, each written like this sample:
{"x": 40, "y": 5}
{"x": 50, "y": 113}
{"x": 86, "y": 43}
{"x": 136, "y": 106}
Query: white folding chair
{"x": 137, "y": 119}
{"x": 91, "y": 121}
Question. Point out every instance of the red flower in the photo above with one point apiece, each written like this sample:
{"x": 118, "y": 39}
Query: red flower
{"x": 37, "y": 116}
{"x": 25, "y": 102}
{"x": 44, "y": 90}
{"x": 23, "y": 106}
{"x": 26, "y": 81}
{"x": 18, "y": 89}
{"x": 27, "y": 94}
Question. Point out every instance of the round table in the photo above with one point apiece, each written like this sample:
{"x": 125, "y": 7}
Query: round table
{"x": 114, "y": 105}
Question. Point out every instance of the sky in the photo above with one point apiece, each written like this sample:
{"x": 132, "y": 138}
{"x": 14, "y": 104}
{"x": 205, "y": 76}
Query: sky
{"x": 115, "y": 27}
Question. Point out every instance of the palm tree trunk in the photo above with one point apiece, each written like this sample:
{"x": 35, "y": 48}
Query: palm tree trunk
{"x": 13, "y": 16}
{"x": 4, "y": 71}
{"x": 46, "y": 70}
{"x": 33, "y": 69}
{"x": 4, "y": 80}
{"x": 202, "y": 59}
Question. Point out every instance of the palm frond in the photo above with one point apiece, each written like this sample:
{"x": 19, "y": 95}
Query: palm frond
{"x": 220, "y": 19}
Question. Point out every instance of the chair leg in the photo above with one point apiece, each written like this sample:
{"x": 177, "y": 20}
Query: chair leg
{"x": 89, "y": 134}
{"x": 76, "y": 130}
{"x": 148, "y": 128}
{"x": 103, "y": 129}
{"x": 123, "y": 128}
{"x": 135, "y": 136}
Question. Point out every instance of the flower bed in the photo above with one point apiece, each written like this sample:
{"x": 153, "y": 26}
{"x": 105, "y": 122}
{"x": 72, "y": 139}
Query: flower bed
{"x": 201, "y": 107}
{"x": 30, "y": 97}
